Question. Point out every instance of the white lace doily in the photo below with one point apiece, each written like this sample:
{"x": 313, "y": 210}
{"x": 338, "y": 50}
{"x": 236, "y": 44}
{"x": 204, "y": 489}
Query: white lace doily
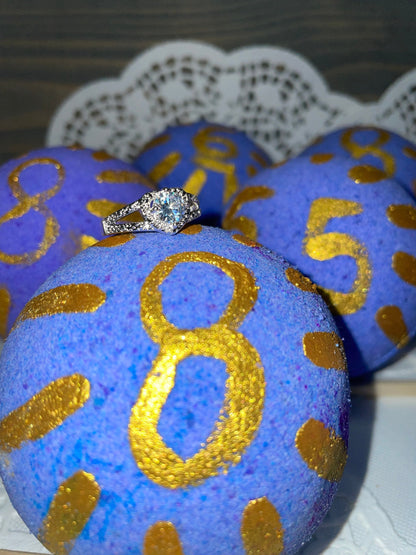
{"x": 276, "y": 96}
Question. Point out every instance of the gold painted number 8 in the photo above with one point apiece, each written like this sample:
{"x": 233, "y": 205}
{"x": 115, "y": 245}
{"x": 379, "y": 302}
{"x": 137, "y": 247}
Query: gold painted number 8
{"x": 242, "y": 410}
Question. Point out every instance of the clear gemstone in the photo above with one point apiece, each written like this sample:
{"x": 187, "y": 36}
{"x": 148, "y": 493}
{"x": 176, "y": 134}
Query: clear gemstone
{"x": 168, "y": 207}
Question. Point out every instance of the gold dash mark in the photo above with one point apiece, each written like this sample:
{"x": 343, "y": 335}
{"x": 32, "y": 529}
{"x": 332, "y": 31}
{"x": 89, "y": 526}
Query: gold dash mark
{"x": 321, "y": 158}
{"x": 410, "y": 152}
{"x": 366, "y": 174}
{"x": 44, "y": 412}
{"x": 164, "y": 167}
{"x": 404, "y": 265}
{"x": 296, "y": 278}
{"x": 402, "y": 215}
{"x": 243, "y": 240}
{"x": 123, "y": 176}
{"x": 261, "y": 160}
{"x": 72, "y": 298}
{"x": 102, "y": 156}
{"x": 325, "y": 349}
{"x": 261, "y": 528}
{"x": 391, "y": 322}
{"x": 86, "y": 241}
{"x": 5, "y": 302}
{"x": 115, "y": 240}
{"x": 157, "y": 141}
{"x": 70, "y": 510}
{"x": 195, "y": 182}
{"x": 322, "y": 450}
{"x": 162, "y": 539}
{"x": 192, "y": 229}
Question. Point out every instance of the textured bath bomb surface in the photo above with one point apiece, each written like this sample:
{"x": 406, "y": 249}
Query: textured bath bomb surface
{"x": 205, "y": 159}
{"x": 52, "y": 201}
{"x": 386, "y": 150}
{"x": 354, "y": 238}
{"x": 188, "y": 390}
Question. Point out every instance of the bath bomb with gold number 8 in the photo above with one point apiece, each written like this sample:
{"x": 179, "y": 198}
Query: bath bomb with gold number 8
{"x": 51, "y": 204}
{"x": 182, "y": 394}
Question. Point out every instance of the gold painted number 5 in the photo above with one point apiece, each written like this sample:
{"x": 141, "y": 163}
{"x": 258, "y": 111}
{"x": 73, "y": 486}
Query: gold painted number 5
{"x": 325, "y": 246}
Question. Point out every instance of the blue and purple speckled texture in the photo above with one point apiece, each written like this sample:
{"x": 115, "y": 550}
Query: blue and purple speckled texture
{"x": 112, "y": 349}
{"x": 68, "y": 206}
{"x": 247, "y": 159}
{"x": 282, "y": 226}
{"x": 402, "y": 151}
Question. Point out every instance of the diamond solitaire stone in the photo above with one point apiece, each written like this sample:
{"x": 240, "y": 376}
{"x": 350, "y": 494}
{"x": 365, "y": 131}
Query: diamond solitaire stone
{"x": 169, "y": 207}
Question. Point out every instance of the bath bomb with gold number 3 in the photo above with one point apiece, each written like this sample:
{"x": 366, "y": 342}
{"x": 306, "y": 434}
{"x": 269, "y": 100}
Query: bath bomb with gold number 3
{"x": 179, "y": 394}
{"x": 51, "y": 204}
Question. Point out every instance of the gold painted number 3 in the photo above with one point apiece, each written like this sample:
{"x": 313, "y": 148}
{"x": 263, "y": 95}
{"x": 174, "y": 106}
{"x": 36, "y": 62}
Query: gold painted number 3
{"x": 242, "y": 410}
{"x": 325, "y": 246}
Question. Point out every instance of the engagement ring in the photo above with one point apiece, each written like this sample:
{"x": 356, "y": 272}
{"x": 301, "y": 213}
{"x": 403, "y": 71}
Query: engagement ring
{"x": 166, "y": 211}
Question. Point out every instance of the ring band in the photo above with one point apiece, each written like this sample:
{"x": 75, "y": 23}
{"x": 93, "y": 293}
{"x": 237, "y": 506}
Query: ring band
{"x": 165, "y": 211}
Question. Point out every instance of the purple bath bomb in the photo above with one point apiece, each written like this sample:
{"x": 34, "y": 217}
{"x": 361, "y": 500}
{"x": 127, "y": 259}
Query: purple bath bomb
{"x": 350, "y": 231}
{"x": 206, "y": 159}
{"x": 386, "y": 150}
{"x": 52, "y": 201}
{"x": 190, "y": 391}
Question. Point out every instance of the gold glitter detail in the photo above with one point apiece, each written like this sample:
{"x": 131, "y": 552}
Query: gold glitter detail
{"x": 325, "y": 349}
{"x": 261, "y": 161}
{"x": 162, "y": 539}
{"x": 321, "y": 449}
{"x": 321, "y": 158}
{"x": 64, "y": 299}
{"x": 44, "y": 412}
{"x": 86, "y": 241}
{"x": 70, "y": 510}
{"x": 115, "y": 240}
{"x": 410, "y": 152}
{"x": 366, "y": 174}
{"x": 402, "y": 215}
{"x": 157, "y": 141}
{"x": 245, "y": 240}
{"x": 279, "y": 164}
{"x": 123, "y": 176}
{"x": 195, "y": 182}
{"x": 296, "y": 278}
{"x": 36, "y": 202}
{"x": 104, "y": 207}
{"x": 405, "y": 267}
{"x": 391, "y": 321}
{"x": 5, "y": 302}
{"x": 75, "y": 146}
{"x": 192, "y": 229}
{"x": 357, "y": 151}
{"x": 251, "y": 171}
{"x": 261, "y": 529}
{"x": 325, "y": 246}
{"x": 247, "y": 226}
{"x": 164, "y": 167}
{"x": 242, "y": 411}
{"x": 217, "y": 159}
{"x": 102, "y": 156}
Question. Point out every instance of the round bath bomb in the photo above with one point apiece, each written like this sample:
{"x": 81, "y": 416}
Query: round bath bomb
{"x": 190, "y": 396}
{"x": 352, "y": 235}
{"x": 205, "y": 159}
{"x": 383, "y": 149}
{"x": 52, "y": 201}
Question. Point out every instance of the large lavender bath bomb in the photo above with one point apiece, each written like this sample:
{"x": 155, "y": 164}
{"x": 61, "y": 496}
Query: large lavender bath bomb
{"x": 385, "y": 150}
{"x": 174, "y": 394}
{"x": 205, "y": 159}
{"x": 350, "y": 231}
{"x": 51, "y": 204}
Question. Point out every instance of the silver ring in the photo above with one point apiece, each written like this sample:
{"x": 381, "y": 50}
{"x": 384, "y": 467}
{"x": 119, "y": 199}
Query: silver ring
{"x": 165, "y": 211}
